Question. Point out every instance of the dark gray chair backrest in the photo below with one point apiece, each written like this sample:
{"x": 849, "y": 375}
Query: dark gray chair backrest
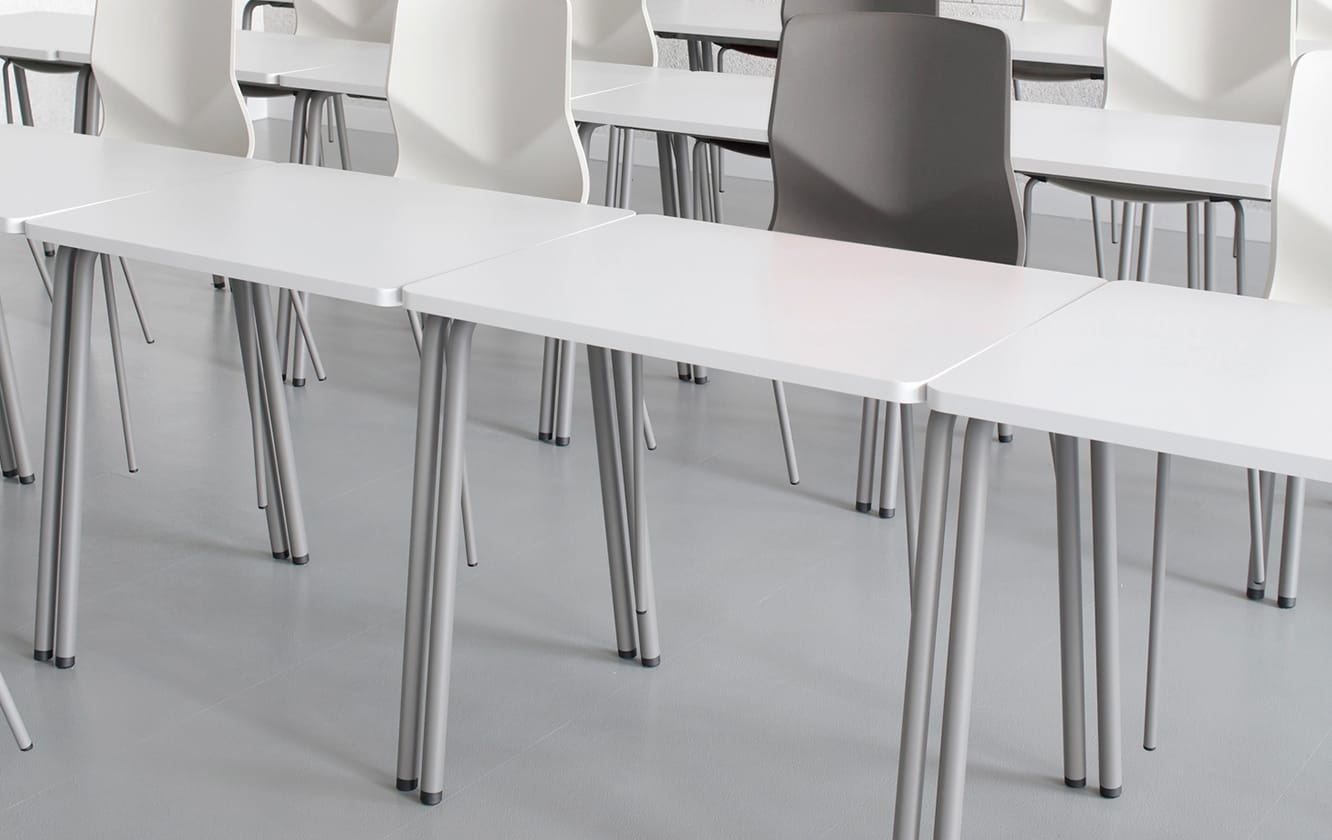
{"x": 791, "y": 8}
{"x": 893, "y": 129}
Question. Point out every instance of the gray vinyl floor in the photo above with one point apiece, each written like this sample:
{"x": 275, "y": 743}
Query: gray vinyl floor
{"x": 220, "y": 694}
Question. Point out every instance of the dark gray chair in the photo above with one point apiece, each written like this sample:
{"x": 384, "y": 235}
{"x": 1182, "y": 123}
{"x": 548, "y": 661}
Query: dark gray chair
{"x": 893, "y": 130}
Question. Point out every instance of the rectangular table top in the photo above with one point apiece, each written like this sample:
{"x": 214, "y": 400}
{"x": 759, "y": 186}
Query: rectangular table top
{"x": 346, "y": 235}
{"x": 42, "y": 36}
{"x": 44, "y": 171}
{"x": 1229, "y": 379}
{"x": 852, "y": 318}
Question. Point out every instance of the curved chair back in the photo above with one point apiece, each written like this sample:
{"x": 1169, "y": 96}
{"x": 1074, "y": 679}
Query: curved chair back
{"x": 1302, "y": 199}
{"x": 166, "y": 70}
{"x": 1222, "y": 59}
{"x": 479, "y": 94}
{"x": 791, "y": 8}
{"x": 1314, "y": 20}
{"x": 1089, "y": 12}
{"x": 893, "y": 129}
{"x": 356, "y": 20}
{"x": 614, "y": 30}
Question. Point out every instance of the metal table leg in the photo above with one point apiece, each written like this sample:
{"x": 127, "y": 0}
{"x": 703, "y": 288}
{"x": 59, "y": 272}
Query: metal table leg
{"x": 1156, "y": 611}
{"x": 13, "y": 413}
{"x": 1068, "y": 515}
{"x": 1292, "y": 533}
{"x": 613, "y": 503}
{"x": 1105, "y": 560}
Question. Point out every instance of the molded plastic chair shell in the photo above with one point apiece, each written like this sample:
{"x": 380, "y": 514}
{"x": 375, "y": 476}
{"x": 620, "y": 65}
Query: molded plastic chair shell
{"x": 893, "y": 129}
{"x": 166, "y": 70}
{"x": 1220, "y": 59}
{"x": 479, "y": 94}
{"x": 1314, "y": 20}
{"x": 1302, "y": 199}
{"x": 619, "y": 31}
{"x": 358, "y": 20}
{"x": 1087, "y": 12}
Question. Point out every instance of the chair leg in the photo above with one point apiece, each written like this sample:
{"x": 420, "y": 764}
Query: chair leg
{"x": 298, "y": 309}
{"x": 118, "y": 362}
{"x": 1156, "y": 613}
{"x": 892, "y": 461}
{"x": 24, "y": 96}
{"x": 1098, "y": 241}
{"x": 1026, "y": 208}
{"x": 1126, "y": 242}
{"x": 1114, "y": 231}
{"x": 649, "y": 436}
{"x": 9, "y": 709}
{"x": 613, "y": 167}
{"x": 626, "y": 168}
{"x": 340, "y": 117}
{"x": 1209, "y": 241}
{"x": 700, "y": 374}
{"x": 869, "y": 435}
{"x": 134, "y": 298}
{"x": 788, "y": 440}
{"x": 1290, "y": 543}
{"x": 1191, "y": 245}
{"x": 1241, "y": 247}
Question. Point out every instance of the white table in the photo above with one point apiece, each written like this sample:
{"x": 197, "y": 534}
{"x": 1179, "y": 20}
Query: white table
{"x": 1067, "y": 46}
{"x": 1121, "y": 367}
{"x": 41, "y": 36}
{"x": 863, "y": 320}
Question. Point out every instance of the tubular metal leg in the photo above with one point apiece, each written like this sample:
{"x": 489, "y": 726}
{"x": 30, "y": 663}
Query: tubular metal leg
{"x": 1114, "y": 231}
{"x": 684, "y": 371}
{"x": 1105, "y": 561}
{"x": 425, "y": 482}
{"x": 8, "y": 461}
{"x": 71, "y": 497}
{"x": 414, "y": 322}
{"x": 1256, "y": 589}
{"x": 268, "y": 492}
{"x": 626, "y": 168}
{"x": 910, "y": 485}
{"x": 284, "y": 327}
{"x": 869, "y": 437}
{"x": 1191, "y": 244}
{"x": 1209, "y": 245}
{"x": 9, "y": 709}
{"x": 1005, "y": 433}
{"x": 1241, "y": 247}
{"x": 700, "y": 374}
{"x": 299, "y": 301}
{"x": 18, "y": 440}
{"x": 118, "y": 362}
{"x": 564, "y": 394}
{"x": 1126, "y": 242}
{"x": 219, "y": 282}
{"x": 439, "y": 644}
{"x": 39, "y": 258}
{"x": 613, "y": 503}
{"x": 680, "y": 144}
{"x": 666, "y": 168}
{"x": 962, "y": 630}
{"x": 613, "y": 167}
{"x": 1026, "y": 205}
{"x": 892, "y": 460}
{"x": 340, "y": 117}
{"x": 1157, "y": 611}
{"x": 1145, "y": 244}
{"x": 550, "y": 361}
{"x": 1098, "y": 240}
{"x": 1292, "y": 533}
{"x": 788, "y": 440}
{"x": 24, "y": 99}
{"x": 1068, "y": 517}
{"x": 299, "y": 108}
{"x": 924, "y": 627}
{"x": 134, "y": 298}
{"x": 645, "y": 599}
{"x": 649, "y": 436}
{"x": 298, "y": 309}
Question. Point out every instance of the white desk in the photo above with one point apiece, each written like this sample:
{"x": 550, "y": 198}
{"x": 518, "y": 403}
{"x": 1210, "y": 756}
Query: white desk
{"x": 853, "y": 318}
{"x": 42, "y": 36}
{"x": 1121, "y": 366}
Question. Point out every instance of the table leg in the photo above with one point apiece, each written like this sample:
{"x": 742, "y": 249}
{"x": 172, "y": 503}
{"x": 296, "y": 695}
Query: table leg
{"x": 910, "y": 485}
{"x": 1105, "y": 560}
{"x": 612, "y": 503}
{"x": 1191, "y": 245}
{"x": 644, "y": 587}
{"x": 892, "y": 461}
{"x": 1209, "y": 246}
{"x": 269, "y": 493}
{"x": 666, "y": 169}
{"x": 1156, "y": 612}
{"x": 1068, "y": 515}
{"x": 924, "y": 626}
{"x": 564, "y": 394}
{"x": 962, "y": 631}
{"x": 1293, "y": 531}
{"x": 443, "y": 586}
{"x": 550, "y": 361}
{"x": 869, "y": 437}
{"x": 1126, "y": 242}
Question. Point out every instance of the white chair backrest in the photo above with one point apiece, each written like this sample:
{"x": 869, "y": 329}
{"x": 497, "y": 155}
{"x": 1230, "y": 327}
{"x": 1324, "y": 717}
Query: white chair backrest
{"x": 1315, "y": 20}
{"x": 1302, "y": 199}
{"x": 479, "y": 94}
{"x": 614, "y": 30}
{"x": 356, "y": 20}
{"x": 166, "y": 70}
{"x": 1222, "y": 59}
{"x": 1090, "y": 12}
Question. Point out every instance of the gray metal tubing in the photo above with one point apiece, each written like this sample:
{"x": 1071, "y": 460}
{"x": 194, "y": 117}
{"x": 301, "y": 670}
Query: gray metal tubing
{"x": 1145, "y": 243}
{"x": 666, "y": 169}
{"x": 344, "y": 145}
{"x": 13, "y": 418}
{"x": 53, "y": 459}
{"x": 1068, "y": 519}
{"x": 39, "y": 258}
{"x": 784, "y": 425}
{"x": 1292, "y": 535}
{"x": 1105, "y": 562}
{"x": 910, "y": 486}
{"x": 276, "y": 512}
{"x": 314, "y": 143}
{"x": 564, "y": 394}
{"x": 962, "y": 630}
{"x": 299, "y": 303}
{"x": 1191, "y": 244}
{"x": 280, "y": 427}
{"x": 622, "y": 387}
{"x": 891, "y": 470}
{"x": 9, "y": 709}
{"x": 1156, "y": 613}
{"x": 924, "y": 625}
{"x": 1257, "y": 538}
{"x": 240, "y": 303}
{"x": 550, "y": 361}
{"x": 613, "y": 167}
{"x": 284, "y": 326}
{"x": 612, "y": 503}
{"x": 1241, "y": 247}
{"x": 1126, "y": 242}
{"x": 84, "y": 95}
{"x": 645, "y": 599}
{"x": 680, "y": 144}
{"x": 71, "y": 497}
{"x": 425, "y": 480}
{"x": 869, "y": 436}
{"x": 1209, "y": 245}
{"x": 302, "y": 321}
{"x": 1098, "y": 241}
{"x": 700, "y": 374}
{"x": 649, "y": 436}
{"x": 300, "y": 105}
{"x": 414, "y": 322}
{"x": 1026, "y": 204}
{"x": 118, "y": 362}
{"x": 5, "y": 69}
{"x": 439, "y": 644}
{"x": 626, "y": 181}
{"x": 684, "y": 371}
{"x": 1005, "y": 433}
{"x": 134, "y": 298}
{"x": 8, "y": 462}
{"x": 1114, "y": 231}
{"x": 24, "y": 98}
{"x": 468, "y": 524}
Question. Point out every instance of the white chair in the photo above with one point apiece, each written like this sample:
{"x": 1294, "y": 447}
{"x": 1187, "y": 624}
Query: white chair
{"x": 1315, "y": 21}
{"x": 354, "y": 20}
{"x": 1087, "y": 12}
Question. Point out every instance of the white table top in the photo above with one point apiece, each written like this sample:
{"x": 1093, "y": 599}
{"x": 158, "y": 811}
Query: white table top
{"x": 1187, "y": 154}
{"x": 44, "y": 171}
{"x": 851, "y": 318}
{"x": 42, "y": 36}
{"x": 1239, "y": 381}
{"x": 346, "y": 235}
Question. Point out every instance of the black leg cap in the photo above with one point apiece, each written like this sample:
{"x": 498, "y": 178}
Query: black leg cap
{"x": 1149, "y": 749}
{"x": 1286, "y": 603}
{"x": 887, "y": 513}
{"x": 1111, "y": 793}
{"x": 631, "y": 653}
{"x": 1076, "y": 784}
{"x": 10, "y": 473}
{"x": 27, "y": 479}
{"x": 545, "y": 437}
{"x": 700, "y": 380}
{"x": 1005, "y": 438}
{"x": 432, "y": 798}
{"x": 862, "y": 507}
{"x": 1256, "y": 593}
{"x": 217, "y": 285}
{"x": 652, "y": 663}
{"x": 298, "y": 383}
{"x": 563, "y": 441}
{"x": 28, "y": 748}
{"x": 405, "y": 785}
{"x": 42, "y": 655}
{"x": 685, "y": 377}
{"x": 64, "y": 662}
{"x": 300, "y": 561}
{"x": 282, "y": 555}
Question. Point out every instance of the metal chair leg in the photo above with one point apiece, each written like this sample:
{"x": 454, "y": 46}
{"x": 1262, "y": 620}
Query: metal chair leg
{"x": 1098, "y": 241}
{"x": 1262, "y": 487}
{"x": 788, "y": 440}
{"x": 9, "y": 709}
{"x": 298, "y": 309}
{"x": 134, "y": 298}
{"x": 649, "y": 436}
{"x": 344, "y": 145}
{"x": 118, "y": 361}
{"x": 1156, "y": 614}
